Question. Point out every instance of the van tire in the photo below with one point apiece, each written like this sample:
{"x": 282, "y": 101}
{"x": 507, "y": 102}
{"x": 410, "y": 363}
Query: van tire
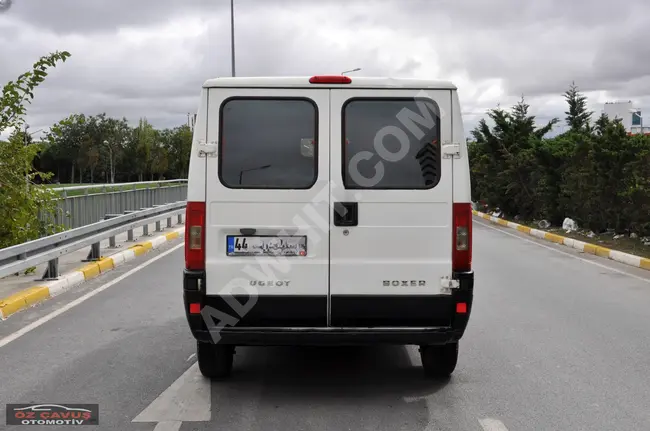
{"x": 215, "y": 360}
{"x": 439, "y": 360}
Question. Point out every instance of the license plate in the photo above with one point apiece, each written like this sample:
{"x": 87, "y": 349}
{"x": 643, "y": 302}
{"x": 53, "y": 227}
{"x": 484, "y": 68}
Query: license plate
{"x": 266, "y": 245}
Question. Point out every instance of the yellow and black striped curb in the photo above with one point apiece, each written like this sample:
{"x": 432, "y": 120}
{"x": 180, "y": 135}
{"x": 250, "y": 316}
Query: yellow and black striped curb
{"x": 618, "y": 256}
{"x": 50, "y": 289}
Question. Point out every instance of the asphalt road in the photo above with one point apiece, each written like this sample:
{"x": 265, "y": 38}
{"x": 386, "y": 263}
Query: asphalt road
{"x": 557, "y": 341}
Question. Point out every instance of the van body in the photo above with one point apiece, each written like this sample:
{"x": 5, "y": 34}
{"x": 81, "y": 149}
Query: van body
{"x": 328, "y": 210}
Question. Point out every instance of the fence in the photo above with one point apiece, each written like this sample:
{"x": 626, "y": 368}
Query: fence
{"x": 84, "y": 209}
{"x": 50, "y": 248}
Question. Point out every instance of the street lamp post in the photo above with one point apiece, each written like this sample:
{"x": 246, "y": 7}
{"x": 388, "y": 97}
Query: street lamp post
{"x": 25, "y": 144}
{"x": 232, "y": 36}
{"x": 110, "y": 158}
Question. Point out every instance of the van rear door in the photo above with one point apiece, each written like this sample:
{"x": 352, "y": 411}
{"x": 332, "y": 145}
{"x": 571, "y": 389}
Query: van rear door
{"x": 391, "y": 250}
{"x": 267, "y": 205}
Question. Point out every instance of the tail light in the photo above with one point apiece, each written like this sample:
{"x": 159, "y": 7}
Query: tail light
{"x": 195, "y": 235}
{"x": 461, "y": 259}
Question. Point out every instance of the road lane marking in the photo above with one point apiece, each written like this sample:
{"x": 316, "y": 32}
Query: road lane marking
{"x": 168, "y": 426}
{"x": 190, "y": 357}
{"x": 646, "y": 280}
{"x": 43, "y": 320}
{"x": 186, "y": 400}
{"x": 489, "y": 424}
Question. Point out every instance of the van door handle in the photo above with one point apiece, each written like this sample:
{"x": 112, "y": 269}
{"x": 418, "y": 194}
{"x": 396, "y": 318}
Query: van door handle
{"x": 346, "y": 214}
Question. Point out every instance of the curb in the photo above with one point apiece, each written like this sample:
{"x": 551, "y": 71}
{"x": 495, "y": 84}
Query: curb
{"x": 618, "y": 256}
{"x": 49, "y": 289}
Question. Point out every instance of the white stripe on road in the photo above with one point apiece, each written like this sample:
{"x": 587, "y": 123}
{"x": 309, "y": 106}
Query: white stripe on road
{"x": 43, "y": 320}
{"x": 647, "y": 280}
{"x": 492, "y": 425}
{"x": 186, "y": 400}
{"x": 168, "y": 426}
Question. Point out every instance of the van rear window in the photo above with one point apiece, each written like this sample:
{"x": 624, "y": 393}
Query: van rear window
{"x": 391, "y": 144}
{"x": 268, "y": 143}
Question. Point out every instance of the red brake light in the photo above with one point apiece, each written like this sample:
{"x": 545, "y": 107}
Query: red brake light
{"x": 461, "y": 308}
{"x": 330, "y": 79}
{"x": 195, "y": 235}
{"x": 461, "y": 259}
{"x": 195, "y": 308}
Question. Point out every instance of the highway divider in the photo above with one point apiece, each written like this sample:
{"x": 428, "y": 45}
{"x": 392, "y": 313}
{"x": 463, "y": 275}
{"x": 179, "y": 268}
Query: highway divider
{"x": 618, "y": 256}
{"x": 49, "y": 289}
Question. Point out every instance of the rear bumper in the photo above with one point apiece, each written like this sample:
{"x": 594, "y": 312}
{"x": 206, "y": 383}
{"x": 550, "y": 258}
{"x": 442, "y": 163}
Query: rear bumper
{"x": 302, "y": 320}
{"x": 326, "y": 336}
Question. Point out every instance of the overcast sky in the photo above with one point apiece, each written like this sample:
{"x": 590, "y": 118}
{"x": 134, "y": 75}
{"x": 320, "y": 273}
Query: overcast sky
{"x": 149, "y": 57}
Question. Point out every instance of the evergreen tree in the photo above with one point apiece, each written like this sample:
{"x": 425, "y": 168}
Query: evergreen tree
{"x": 577, "y": 117}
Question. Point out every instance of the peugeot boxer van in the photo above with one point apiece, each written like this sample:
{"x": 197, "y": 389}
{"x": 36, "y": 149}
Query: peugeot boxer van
{"x": 328, "y": 210}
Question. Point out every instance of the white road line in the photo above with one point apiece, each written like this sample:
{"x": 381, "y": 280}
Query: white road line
{"x": 186, "y": 400}
{"x": 43, "y": 320}
{"x": 190, "y": 357}
{"x": 647, "y": 280}
{"x": 168, "y": 426}
{"x": 492, "y": 425}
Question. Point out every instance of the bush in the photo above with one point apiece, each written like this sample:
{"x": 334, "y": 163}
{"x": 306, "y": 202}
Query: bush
{"x": 598, "y": 176}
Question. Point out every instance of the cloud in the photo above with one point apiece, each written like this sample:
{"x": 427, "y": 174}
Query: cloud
{"x": 149, "y": 58}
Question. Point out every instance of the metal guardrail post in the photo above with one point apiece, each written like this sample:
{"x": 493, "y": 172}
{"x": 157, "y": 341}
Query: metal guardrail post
{"x": 111, "y": 240}
{"x": 95, "y": 253}
{"x": 129, "y": 233}
{"x": 145, "y": 228}
{"x": 52, "y": 271}
{"x": 158, "y": 226}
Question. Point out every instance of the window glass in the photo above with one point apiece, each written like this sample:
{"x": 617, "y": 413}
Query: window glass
{"x": 391, "y": 144}
{"x": 268, "y": 143}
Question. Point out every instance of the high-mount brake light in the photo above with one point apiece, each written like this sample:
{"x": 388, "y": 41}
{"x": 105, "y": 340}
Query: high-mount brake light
{"x": 195, "y": 236}
{"x": 462, "y": 237}
{"x": 330, "y": 79}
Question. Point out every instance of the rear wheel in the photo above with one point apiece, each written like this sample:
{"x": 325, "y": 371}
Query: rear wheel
{"x": 439, "y": 360}
{"x": 215, "y": 360}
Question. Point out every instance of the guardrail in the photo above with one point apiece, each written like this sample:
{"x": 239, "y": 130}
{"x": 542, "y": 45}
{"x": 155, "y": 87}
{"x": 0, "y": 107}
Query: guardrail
{"x": 48, "y": 249}
{"x": 77, "y": 207}
{"x": 115, "y": 185}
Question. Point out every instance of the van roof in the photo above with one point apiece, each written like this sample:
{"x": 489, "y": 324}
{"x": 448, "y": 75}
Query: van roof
{"x": 303, "y": 81}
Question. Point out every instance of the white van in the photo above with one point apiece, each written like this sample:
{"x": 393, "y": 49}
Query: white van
{"x": 328, "y": 210}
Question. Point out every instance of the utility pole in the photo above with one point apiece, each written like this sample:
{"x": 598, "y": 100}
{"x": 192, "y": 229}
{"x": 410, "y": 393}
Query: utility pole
{"x": 25, "y": 144}
{"x": 232, "y": 35}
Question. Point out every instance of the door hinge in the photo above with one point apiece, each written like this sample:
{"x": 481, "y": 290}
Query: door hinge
{"x": 207, "y": 149}
{"x": 451, "y": 151}
{"x": 447, "y": 283}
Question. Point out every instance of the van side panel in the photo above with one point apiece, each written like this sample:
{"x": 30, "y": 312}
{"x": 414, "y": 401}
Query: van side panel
{"x": 196, "y": 172}
{"x": 462, "y": 183}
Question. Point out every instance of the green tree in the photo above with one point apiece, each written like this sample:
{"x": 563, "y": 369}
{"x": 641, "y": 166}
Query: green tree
{"x": 507, "y": 158}
{"x": 145, "y": 139}
{"x": 577, "y": 117}
{"x": 26, "y": 209}
{"x": 66, "y": 139}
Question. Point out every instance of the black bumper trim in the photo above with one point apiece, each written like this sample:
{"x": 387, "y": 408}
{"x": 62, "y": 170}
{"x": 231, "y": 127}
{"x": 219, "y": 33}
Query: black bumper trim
{"x": 327, "y": 336}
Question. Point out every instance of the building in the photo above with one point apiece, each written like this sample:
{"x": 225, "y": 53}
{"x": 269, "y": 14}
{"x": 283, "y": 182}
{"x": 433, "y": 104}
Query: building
{"x": 631, "y": 117}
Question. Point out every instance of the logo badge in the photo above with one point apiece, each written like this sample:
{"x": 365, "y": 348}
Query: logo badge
{"x": 53, "y": 414}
